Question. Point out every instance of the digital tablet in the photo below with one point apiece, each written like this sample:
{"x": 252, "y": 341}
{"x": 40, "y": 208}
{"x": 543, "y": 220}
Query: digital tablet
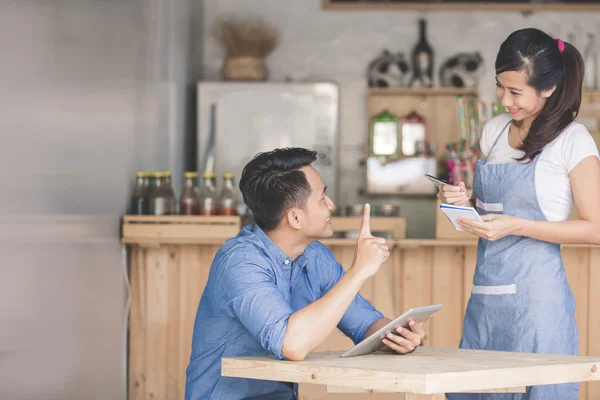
{"x": 374, "y": 343}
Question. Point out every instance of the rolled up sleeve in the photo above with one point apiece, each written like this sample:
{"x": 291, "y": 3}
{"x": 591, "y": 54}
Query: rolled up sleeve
{"x": 361, "y": 314}
{"x": 358, "y": 318}
{"x": 249, "y": 293}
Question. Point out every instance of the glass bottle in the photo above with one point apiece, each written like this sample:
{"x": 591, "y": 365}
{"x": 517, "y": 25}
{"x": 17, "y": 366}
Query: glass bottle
{"x": 590, "y": 81}
{"x": 228, "y": 197}
{"x": 162, "y": 199}
{"x": 208, "y": 194}
{"x": 189, "y": 201}
{"x": 139, "y": 198}
{"x": 170, "y": 193}
{"x": 422, "y": 59}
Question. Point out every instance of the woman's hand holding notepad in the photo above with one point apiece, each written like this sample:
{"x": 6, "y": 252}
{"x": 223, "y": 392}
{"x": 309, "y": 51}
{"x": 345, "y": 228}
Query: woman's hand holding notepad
{"x": 455, "y": 212}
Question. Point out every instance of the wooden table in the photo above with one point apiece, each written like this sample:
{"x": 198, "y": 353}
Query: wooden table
{"x": 428, "y": 373}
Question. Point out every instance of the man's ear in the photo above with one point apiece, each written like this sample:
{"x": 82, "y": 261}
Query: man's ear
{"x": 294, "y": 218}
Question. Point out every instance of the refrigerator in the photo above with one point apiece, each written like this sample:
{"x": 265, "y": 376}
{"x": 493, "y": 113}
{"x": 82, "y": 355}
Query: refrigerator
{"x": 237, "y": 120}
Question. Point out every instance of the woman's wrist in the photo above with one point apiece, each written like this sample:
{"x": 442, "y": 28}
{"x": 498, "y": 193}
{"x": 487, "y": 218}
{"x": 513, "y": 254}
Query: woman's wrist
{"x": 520, "y": 226}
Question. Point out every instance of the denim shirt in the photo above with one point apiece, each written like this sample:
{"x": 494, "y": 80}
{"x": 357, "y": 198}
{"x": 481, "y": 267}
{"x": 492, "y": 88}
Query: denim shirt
{"x": 253, "y": 288}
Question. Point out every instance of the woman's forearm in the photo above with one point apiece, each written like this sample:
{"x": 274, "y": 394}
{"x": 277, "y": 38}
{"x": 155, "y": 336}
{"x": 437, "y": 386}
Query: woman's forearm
{"x": 565, "y": 232}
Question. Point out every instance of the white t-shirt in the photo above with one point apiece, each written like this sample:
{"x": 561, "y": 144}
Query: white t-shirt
{"x": 557, "y": 159}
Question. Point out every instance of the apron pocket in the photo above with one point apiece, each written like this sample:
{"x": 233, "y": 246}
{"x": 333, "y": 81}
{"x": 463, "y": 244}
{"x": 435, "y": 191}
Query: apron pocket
{"x": 490, "y": 207}
{"x": 503, "y": 289}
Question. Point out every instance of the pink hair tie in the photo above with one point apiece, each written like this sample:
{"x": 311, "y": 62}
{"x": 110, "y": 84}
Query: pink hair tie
{"x": 561, "y": 45}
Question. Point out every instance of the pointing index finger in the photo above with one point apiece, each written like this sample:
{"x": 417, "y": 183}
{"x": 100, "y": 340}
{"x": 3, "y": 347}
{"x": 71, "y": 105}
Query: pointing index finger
{"x": 365, "y": 225}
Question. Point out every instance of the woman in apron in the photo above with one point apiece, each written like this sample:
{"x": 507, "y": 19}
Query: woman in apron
{"x": 539, "y": 161}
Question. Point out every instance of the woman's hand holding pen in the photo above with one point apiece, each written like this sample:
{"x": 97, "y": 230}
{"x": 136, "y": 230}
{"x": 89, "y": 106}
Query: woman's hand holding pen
{"x": 455, "y": 195}
{"x": 493, "y": 227}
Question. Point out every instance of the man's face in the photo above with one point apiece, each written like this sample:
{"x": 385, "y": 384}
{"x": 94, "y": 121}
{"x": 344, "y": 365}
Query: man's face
{"x": 315, "y": 217}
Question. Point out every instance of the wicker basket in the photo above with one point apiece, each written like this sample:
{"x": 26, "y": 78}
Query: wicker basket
{"x": 245, "y": 69}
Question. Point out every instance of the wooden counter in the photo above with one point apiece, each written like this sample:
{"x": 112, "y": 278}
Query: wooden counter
{"x": 168, "y": 277}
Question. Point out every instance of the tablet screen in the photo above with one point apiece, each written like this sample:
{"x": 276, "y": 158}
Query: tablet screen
{"x": 373, "y": 342}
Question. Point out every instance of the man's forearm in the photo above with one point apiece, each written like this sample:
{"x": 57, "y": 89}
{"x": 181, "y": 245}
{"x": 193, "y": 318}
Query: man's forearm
{"x": 375, "y": 326}
{"x": 310, "y": 326}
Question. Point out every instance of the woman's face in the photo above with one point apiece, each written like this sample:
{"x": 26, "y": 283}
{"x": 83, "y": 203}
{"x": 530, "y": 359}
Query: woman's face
{"x": 522, "y": 101}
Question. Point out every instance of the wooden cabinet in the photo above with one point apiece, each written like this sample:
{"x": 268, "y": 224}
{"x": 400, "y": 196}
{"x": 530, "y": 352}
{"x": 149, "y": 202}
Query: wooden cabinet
{"x": 436, "y": 106}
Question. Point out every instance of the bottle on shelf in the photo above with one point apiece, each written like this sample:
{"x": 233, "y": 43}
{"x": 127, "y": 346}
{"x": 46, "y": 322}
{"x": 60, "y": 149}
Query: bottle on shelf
{"x": 162, "y": 197}
{"x": 228, "y": 197}
{"x": 170, "y": 192}
{"x": 189, "y": 201}
{"x": 208, "y": 194}
{"x": 139, "y": 198}
{"x": 422, "y": 59}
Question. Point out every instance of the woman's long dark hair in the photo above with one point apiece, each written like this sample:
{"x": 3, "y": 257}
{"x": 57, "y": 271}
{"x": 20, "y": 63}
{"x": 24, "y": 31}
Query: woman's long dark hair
{"x": 546, "y": 66}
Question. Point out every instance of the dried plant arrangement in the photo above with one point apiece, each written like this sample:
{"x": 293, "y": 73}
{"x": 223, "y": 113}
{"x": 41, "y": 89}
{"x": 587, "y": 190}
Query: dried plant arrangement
{"x": 247, "y": 43}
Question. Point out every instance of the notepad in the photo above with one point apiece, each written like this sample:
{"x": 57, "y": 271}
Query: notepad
{"x": 455, "y": 212}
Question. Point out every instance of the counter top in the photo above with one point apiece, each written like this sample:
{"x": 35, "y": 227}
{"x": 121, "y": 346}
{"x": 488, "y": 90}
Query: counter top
{"x": 402, "y": 244}
{"x": 152, "y": 231}
{"x": 427, "y": 371}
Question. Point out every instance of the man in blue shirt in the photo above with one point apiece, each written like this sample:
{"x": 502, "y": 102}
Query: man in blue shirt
{"x": 274, "y": 289}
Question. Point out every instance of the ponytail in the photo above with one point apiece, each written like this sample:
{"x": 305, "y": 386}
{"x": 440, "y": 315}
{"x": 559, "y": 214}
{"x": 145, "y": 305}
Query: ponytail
{"x": 561, "y": 108}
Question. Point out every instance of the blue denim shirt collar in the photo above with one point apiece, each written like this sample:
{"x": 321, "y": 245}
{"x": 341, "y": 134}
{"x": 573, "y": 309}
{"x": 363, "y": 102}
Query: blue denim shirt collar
{"x": 275, "y": 251}
{"x": 270, "y": 246}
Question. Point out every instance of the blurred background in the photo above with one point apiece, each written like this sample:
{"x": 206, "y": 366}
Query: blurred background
{"x": 93, "y": 91}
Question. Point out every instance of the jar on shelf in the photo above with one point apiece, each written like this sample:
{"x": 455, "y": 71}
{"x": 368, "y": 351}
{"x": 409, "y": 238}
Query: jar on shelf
{"x": 208, "y": 194}
{"x": 139, "y": 198}
{"x": 228, "y": 197}
{"x": 162, "y": 197}
{"x": 189, "y": 201}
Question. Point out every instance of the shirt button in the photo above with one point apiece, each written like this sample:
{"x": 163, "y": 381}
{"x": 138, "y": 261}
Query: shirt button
{"x": 287, "y": 262}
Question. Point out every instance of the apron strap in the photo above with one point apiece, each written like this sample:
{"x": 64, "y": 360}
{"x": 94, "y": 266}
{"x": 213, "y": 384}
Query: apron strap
{"x": 498, "y": 137}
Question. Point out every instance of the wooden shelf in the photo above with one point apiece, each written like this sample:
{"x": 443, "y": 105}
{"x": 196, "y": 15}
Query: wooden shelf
{"x": 436, "y": 91}
{"x": 154, "y": 231}
{"x": 448, "y": 91}
{"x": 590, "y": 96}
{"x": 417, "y": 243}
{"x": 516, "y": 7}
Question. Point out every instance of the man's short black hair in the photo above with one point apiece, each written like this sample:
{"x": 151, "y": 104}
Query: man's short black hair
{"x": 271, "y": 183}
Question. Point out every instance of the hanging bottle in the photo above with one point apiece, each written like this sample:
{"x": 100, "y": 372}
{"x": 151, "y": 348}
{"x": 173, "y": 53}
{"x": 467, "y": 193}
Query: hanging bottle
{"x": 189, "y": 201}
{"x": 571, "y": 39}
{"x": 422, "y": 59}
{"x": 590, "y": 79}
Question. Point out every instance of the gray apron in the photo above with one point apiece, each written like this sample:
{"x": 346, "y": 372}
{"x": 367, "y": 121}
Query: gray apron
{"x": 521, "y": 300}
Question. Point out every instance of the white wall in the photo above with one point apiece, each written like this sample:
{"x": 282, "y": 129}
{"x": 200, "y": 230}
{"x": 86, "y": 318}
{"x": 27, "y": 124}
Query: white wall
{"x": 92, "y": 91}
{"x": 338, "y": 45}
